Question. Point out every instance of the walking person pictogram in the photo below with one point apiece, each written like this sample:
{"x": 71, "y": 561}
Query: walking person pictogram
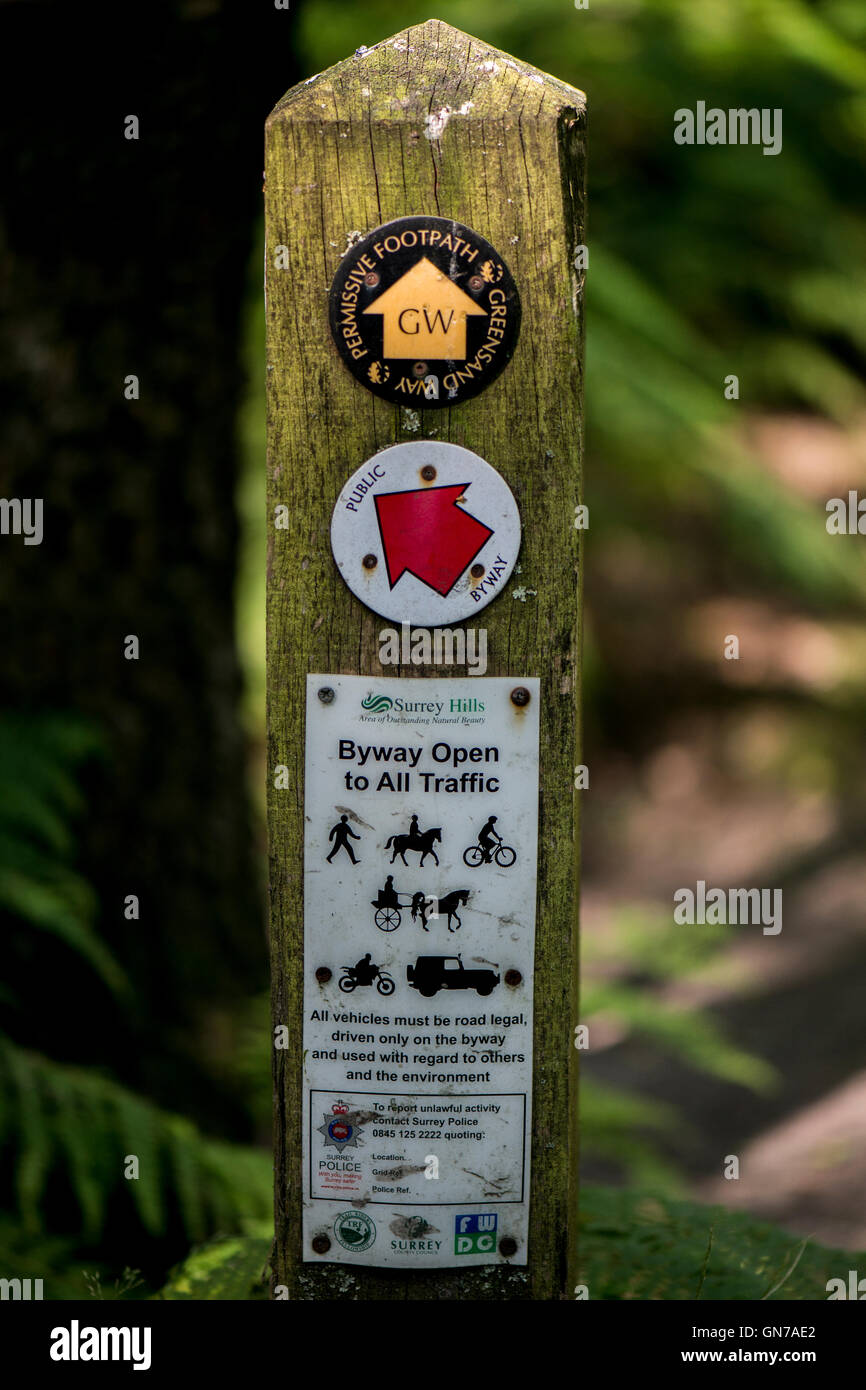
{"x": 340, "y": 835}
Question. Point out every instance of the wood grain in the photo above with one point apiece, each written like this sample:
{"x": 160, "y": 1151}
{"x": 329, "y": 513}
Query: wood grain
{"x": 345, "y": 152}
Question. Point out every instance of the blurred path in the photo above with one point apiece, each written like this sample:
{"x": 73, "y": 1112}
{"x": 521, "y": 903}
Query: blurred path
{"x": 796, "y": 999}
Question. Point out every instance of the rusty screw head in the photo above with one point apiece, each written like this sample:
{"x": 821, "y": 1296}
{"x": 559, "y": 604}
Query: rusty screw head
{"x": 477, "y": 571}
{"x": 507, "y": 1246}
{"x": 326, "y": 695}
{"x": 520, "y": 695}
{"x": 420, "y": 369}
{"x": 476, "y": 283}
{"x": 428, "y": 472}
{"x": 369, "y": 562}
{"x": 512, "y": 977}
{"x": 323, "y": 974}
{"x": 321, "y": 1245}
{"x": 372, "y": 279}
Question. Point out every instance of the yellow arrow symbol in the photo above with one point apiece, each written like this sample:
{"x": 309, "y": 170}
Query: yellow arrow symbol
{"x": 424, "y": 315}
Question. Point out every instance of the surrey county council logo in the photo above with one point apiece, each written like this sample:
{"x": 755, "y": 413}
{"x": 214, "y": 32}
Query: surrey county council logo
{"x": 377, "y": 704}
{"x": 338, "y": 1131}
{"x": 354, "y": 1230}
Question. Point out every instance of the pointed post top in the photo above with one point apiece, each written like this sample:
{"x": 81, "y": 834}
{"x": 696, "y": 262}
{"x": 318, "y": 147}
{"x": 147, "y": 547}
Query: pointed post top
{"x": 429, "y": 74}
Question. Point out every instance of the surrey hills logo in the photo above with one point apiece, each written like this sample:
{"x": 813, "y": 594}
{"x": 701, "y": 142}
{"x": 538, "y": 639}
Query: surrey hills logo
{"x": 377, "y": 704}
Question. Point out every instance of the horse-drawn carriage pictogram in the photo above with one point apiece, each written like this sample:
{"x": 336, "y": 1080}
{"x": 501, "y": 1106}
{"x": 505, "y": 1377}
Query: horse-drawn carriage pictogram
{"x": 388, "y": 915}
{"x": 389, "y": 907}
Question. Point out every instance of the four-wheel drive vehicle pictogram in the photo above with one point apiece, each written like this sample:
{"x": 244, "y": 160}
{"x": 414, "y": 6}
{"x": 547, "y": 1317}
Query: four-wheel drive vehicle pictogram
{"x": 429, "y": 974}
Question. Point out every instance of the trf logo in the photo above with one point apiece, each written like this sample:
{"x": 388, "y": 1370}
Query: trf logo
{"x": 474, "y": 1235}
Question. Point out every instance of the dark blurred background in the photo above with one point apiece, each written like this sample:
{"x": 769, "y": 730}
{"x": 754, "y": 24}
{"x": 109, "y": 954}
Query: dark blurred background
{"x": 133, "y": 1001}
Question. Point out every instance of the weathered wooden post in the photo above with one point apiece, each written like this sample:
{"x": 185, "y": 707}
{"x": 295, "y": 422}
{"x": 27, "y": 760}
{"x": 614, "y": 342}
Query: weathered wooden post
{"x": 424, "y": 405}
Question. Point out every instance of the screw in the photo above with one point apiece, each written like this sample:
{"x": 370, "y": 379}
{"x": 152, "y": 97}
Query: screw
{"x": 372, "y": 279}
{"x": 476, "y": 283}
{"x": 428, "y": 472}
{"x": 477, "y": 571}
{"x": 369, "y": 562}
{"x": 326, "y": 695}
{"x": 323, "y": 974}
{"x": 520, "y": 695}
{"x": 512, "y": 977}
{"x": 321, "y": 1245}
{"x": 420, "y": 369}
{"x": 507, "y": 1246}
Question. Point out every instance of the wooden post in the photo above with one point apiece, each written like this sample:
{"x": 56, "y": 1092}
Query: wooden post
{"x": 430, "y": 122}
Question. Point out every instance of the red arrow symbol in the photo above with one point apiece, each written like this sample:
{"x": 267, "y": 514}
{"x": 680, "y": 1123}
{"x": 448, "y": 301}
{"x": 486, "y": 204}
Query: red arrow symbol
{"x": 425, "y": 532}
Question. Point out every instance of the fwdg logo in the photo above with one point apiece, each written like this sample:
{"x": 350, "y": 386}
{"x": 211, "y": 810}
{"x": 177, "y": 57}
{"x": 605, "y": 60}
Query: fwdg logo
{"x": 475, "y": 1235}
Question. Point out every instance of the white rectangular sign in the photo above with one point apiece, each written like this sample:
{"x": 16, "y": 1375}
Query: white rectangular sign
{"x": 421, "y": 820}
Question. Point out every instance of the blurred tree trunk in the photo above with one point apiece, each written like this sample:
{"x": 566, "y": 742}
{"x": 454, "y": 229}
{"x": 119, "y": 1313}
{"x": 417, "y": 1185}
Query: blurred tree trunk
{"x": 130, "y": 257}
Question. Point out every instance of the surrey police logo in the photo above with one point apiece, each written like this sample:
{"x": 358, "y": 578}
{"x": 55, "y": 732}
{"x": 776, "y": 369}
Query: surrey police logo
{"x": 340, "y": 1130}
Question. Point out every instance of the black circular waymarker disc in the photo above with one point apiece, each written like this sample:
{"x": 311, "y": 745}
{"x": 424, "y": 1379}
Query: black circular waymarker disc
{"x": 424, "y": 312}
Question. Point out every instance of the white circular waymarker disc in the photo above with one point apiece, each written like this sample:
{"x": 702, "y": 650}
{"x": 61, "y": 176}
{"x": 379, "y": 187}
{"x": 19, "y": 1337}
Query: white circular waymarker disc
{"x": 438, "y": 528}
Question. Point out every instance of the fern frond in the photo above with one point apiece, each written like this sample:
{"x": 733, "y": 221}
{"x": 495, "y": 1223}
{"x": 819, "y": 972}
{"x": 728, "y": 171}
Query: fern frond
{"x": 79, "y": 1125}
{"x": 35, "y": 1136}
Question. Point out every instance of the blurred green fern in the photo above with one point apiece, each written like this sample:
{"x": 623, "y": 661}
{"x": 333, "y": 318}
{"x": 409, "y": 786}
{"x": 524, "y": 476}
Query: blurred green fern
{"x": 65, "y": 1124}
{"x": 40, "y": 800}
{"x": 60, "y": 1119}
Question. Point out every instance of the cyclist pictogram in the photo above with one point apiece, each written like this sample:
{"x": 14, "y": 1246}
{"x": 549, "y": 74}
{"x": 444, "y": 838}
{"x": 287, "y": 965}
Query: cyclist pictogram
{"x": 490, "y": 848}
